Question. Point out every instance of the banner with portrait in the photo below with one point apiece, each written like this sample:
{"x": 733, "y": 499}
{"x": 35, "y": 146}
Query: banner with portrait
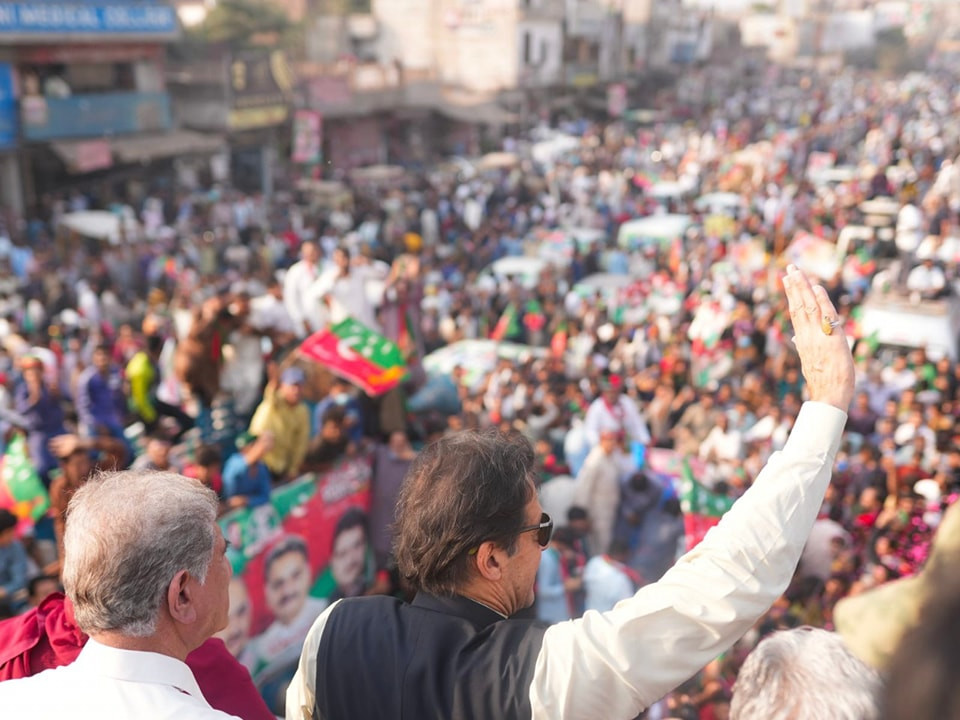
{"x": 307, "y": 137}
{"x": 291, "y": 558}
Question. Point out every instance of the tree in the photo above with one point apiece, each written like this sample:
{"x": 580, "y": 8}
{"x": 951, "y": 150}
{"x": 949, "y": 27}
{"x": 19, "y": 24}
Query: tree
{"x": 241, "y": 23}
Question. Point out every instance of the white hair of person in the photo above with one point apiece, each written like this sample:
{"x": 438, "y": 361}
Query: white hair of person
{"x": 127, "y": 535}
{"x": 805, "y": 674}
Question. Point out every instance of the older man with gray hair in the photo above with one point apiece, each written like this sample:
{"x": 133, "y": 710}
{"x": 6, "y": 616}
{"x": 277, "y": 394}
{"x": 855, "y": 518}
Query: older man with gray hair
{"x": 805, "y": 674}
{"x": 146, "y": 570}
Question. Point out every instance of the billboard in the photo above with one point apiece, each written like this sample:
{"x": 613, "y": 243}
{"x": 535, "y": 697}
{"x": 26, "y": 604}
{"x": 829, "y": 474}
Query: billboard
{"x": 291, "y": 558}
{"x": 41, "y": 19}
{"x": 261, "y": 84}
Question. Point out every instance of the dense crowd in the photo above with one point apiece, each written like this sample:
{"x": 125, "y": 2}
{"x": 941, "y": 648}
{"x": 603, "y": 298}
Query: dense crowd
{"x": 175, "y": 348}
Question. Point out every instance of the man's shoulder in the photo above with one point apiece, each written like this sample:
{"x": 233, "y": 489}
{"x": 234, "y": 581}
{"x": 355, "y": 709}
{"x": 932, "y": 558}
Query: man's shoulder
{"x": 373, "y": 604}
{"x": 31, "y": 695}
{"x": 67, "y": 692}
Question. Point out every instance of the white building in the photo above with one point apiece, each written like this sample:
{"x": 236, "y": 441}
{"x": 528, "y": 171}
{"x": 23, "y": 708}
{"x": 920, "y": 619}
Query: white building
{"x": 482, "y": 46}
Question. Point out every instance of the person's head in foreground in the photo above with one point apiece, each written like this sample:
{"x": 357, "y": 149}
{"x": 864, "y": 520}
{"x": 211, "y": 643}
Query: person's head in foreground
{"x": 805, "y": 674}
{"x": 469, "y": 521}
{"x": 924, "y": 673}
{"x": 145, "y": 563}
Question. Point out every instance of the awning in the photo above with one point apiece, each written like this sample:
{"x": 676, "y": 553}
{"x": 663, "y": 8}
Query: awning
{"x": 141, "y": 148}
{"x": 83, "y": 156}
{"x": 484, "y": 113}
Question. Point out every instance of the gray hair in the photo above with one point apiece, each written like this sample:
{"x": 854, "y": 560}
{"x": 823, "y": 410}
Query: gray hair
{"x": 805, "y": 673}
{"x": 127, "y": 535}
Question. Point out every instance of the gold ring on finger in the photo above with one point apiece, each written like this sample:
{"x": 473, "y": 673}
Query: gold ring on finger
{"x": 828, "y": 325}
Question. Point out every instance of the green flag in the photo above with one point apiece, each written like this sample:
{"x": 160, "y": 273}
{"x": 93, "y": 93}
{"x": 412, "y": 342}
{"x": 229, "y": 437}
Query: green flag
{"x": 702, "y": 508}
{"x": 21, "y": 490}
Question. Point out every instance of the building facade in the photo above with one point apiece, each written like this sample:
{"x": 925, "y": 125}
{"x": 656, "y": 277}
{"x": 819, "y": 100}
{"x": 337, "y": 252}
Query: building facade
{"x": 83, "y": 100}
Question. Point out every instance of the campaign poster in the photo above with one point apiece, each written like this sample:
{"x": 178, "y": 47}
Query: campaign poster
{"x": 307, "y": 137}
{"x": 291, "y": 558}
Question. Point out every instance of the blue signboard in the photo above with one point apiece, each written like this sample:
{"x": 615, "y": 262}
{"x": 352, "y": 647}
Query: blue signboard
{"x": 38, "y": 18}
{"x": 8, "y": 108}
{"x": 93, "y": 116}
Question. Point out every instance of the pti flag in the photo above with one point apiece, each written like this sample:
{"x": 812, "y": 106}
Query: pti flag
{"x": 534, "y": 319}
{"x": 21, "y": 491}
{"x": 702, "y": 509}
{"x": 507, "y": 326}
{"x": 359, "y": 355}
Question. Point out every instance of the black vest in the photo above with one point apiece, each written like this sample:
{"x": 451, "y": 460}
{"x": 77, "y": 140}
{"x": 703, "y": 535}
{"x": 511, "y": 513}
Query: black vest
{"x": 437, "y": 658}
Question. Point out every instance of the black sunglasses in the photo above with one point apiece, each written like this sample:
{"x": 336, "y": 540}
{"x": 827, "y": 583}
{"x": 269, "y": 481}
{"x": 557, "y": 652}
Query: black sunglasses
{"x": 544, "y": 532}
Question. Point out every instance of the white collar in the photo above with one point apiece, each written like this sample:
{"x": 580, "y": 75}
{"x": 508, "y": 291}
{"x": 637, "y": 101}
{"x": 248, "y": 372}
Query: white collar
{"x": 474, "y": 600}
{"x": 138, "y": 666}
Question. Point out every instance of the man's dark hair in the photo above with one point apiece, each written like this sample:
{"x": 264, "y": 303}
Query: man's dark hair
{"x": 335, "y": 413}
{"x": 618, "y": 549}
{"x": 160, "y": 436}
{"x": 460, "y": 492}
{"x": 208, "y": 455}
{"x": 154, "y": 344}
{"x": 672, "y": 507}
{"x": 836, "y": 513}
{"x": 564, "y": 536}
{"x": 353, "y": 517}
{"x": 639, "y": 482}
{"x": 287, "y": 545}
{"x": 577, "y": 513}
{"x": 7, "y": 520}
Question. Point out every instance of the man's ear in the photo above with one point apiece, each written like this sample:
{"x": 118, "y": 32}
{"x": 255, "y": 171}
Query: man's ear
{"x": 180, "y": 599}
{"x": 489, "y": 560}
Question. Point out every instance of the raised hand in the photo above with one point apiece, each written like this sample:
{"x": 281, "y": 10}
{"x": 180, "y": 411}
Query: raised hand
{"x": 63, "y": 446}
{"x": 825, "y": 356}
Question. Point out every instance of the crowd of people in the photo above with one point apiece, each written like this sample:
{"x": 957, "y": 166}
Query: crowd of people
{"x": 176, "y": 350}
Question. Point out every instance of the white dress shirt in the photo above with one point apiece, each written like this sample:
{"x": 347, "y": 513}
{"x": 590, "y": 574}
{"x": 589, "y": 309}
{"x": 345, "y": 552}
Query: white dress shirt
{"x": 605, "y": 584}
{"x": 269, "y": 313}
{"x": 615, "y": 664}
{"x": 105, "y": 683}
{"x": 297, "y": 298}
{"x": 599, "y": 418}
{"x": 726, "y": 445}
{"x": 347, "y": 296}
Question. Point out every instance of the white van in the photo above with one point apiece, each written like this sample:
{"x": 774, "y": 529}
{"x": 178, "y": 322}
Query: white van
{"x": 894, "y": 320}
